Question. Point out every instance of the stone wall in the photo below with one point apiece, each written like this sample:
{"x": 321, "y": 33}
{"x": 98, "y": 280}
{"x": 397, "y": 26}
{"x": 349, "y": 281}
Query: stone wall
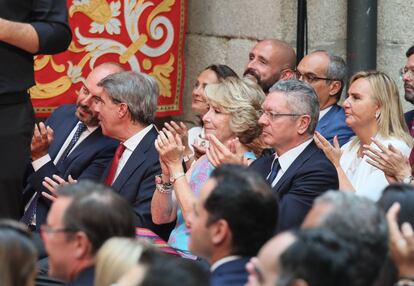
{"x": 223, "y": 31}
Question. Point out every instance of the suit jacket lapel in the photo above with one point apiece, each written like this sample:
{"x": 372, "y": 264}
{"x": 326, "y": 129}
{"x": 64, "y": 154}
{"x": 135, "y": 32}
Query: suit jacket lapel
{"x": 291, "y": 171}
{"x": 59, "y": 139}
{"x": 136, "y": 159}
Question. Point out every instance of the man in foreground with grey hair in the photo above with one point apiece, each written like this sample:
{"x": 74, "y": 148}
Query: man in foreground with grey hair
{"x": 298, "y": 171}
{"x": 126, "y": 109}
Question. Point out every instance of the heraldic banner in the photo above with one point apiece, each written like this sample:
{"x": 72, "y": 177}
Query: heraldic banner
{"x": 141, "y": 35}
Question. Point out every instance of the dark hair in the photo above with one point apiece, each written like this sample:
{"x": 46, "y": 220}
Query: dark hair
{"x": 404, "y": 195}
{"x": 222, "y": 71}
{"x": 98, "y": 212}
{"x": 170, "y": 271}
{"x": 410, "y": 51}
{"x": 319, "y": 257}
{"x": 18, "y": 254}
{"x": 359, "y": 221}
{"x": 246, "y": 202}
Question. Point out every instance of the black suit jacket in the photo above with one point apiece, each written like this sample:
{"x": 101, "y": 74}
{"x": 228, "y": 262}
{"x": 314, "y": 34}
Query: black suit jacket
{"x": 86, "y": 161}
{"x": 232, "y": 273}
{"x": 136, "y": 183}
{"x": 310, "y": 175}
{"x": 85, "y": 278}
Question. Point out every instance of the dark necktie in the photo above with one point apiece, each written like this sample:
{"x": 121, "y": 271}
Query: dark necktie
{"x": 114, "y": 166}
{"x": 30, "y": 211}
{"x": 75, "y": 138}
{"x": 412, "y": 128}
{"x": 273, "y": 172}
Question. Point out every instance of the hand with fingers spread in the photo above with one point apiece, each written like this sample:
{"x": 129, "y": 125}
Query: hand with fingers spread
{"x": 52, "y": 184}
{"x": 332, "y": 152}
{"x": 391, "y": 161}
{"x": 170, "y": 148}
{"x": 180, "y": 129}
{"x": 42, "y": 137}
{"x": 401, "y": 243}
{"x": 218, "y": 153}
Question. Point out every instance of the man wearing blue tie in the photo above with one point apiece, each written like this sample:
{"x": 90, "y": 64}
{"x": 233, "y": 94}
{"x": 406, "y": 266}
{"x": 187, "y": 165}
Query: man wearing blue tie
{"x": 298, "y": 171}
{"x": 69, "y": 143}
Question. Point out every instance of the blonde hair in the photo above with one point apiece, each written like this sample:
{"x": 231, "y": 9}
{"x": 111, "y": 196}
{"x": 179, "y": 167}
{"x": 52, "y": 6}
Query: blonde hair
{"x": 243, "y": 99}
{"x": 391, "y": 121}
{"x": 116, "y": 257}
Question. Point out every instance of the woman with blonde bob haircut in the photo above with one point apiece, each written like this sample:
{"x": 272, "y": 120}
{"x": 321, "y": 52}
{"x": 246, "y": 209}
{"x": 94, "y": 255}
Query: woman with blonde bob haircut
{"x": 116, "y": 257}
{"x": 232, "y": 127}
{"x": 373, "y": 110}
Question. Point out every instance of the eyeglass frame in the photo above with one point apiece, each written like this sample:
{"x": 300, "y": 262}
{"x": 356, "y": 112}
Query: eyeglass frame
{"x": 44, "y": 228}
{"x": 313, "y": 78}
{"x": 404, "y": 70}
{"x": 272, "y": 115}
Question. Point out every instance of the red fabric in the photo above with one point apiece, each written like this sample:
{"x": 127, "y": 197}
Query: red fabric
{"x": 115, "y": 162}
{"x": 146, "y": 36}
{"x": 156, "y": 240}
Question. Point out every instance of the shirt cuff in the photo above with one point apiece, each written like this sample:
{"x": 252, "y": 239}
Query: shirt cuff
{"x": 39, "y": 163}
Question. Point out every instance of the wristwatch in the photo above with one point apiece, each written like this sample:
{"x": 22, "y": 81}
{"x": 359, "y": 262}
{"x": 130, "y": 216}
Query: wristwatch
{"x": 408, "y": 180}
{"x": 176, "y": 176}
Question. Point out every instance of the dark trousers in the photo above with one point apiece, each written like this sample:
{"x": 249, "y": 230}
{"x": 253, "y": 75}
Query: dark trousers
{"x": 16, "y": 128}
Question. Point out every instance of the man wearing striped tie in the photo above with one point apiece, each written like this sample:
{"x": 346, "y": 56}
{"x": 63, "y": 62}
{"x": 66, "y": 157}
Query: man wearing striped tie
{"x": 69, "y": 143}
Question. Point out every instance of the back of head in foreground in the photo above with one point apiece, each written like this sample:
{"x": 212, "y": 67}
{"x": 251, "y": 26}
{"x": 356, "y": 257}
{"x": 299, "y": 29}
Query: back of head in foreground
{"x": 18, "y": 255}
{"x": 358, "y": 221}
{"x": 318, "y": 257}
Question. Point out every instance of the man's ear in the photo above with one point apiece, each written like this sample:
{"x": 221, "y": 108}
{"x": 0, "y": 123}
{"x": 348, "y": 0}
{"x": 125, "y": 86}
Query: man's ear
{"x": 334, "y": 87}
{"x": 83, "y": 247}
{"x": 122, "y": 109}
{"x": 219, "y": 232}
{"x": 287, "y": 74}
{"x": 303, "y": 124}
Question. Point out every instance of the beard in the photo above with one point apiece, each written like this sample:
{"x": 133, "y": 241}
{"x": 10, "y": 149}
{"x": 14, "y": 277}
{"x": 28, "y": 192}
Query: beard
{"x": 264, "y": 84}
{"x": 409, "y": 93}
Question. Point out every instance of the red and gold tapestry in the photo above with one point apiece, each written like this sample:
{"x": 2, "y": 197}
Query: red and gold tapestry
{"x": 142, "y": 35}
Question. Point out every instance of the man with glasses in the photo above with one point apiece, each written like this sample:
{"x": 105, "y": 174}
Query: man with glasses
{"x": 326, "y": 73}
{"x": 269, "y": 61}
{"x": 298, "y": 171}
{"x": 407, "y": 75}
{"x": 81, "y": 219}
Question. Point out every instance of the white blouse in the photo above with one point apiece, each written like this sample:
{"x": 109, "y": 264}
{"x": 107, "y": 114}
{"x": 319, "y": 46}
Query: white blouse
{"x": 367, "y": 180}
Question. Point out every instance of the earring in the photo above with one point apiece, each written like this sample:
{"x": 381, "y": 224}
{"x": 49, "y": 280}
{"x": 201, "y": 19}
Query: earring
{"x": 377, "y": 114}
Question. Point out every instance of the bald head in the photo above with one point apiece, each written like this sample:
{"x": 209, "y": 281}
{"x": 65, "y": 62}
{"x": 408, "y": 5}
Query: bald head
{"x": 269, "y": 61}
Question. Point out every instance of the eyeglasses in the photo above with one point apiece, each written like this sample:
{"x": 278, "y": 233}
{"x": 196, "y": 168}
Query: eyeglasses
{"x": 273, "y": 115}
{"x": 406, "y": 71}
{"x": 44, "y": 228}
{"x": 310, "y": 78}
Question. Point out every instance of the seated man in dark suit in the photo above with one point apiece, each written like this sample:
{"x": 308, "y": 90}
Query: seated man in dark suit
{"x": 69, "y": 143}
{"x": 326, "y": 73}
{"x": 298, "y": 171}
{"x": 80, "y": 220}
{"x": 234, "y": 216}
{"x": 126, "y": 109}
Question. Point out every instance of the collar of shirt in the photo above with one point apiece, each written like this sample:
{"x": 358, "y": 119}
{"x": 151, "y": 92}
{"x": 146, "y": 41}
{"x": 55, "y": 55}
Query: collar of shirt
{"x": 323, "y": 112}
{"x": 222, "y": 261}
{"x": 130, "y": 144}
{"x": 288, "y": 158}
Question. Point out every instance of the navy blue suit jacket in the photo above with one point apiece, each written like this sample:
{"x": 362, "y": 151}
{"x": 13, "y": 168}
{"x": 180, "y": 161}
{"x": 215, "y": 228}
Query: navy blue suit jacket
{"x": 86, "y": 161}
{"x": 310, "y": 175}
{"x": 136, "y": 183}
{"x": 232, "y": 273}
{"x": 333, "y": 123}
{"x": 409, "y": 116}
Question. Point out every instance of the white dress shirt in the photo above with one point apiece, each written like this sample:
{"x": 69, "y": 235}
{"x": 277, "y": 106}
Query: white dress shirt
{"x": 287, "y": 159}
{"x": 130, "y": 144}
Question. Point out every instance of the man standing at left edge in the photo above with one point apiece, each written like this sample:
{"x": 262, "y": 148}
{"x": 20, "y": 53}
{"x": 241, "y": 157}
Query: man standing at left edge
{"x": 27, "y": 28}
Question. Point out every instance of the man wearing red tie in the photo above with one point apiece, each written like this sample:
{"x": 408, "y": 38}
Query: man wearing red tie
{"x": 126, "y": 109}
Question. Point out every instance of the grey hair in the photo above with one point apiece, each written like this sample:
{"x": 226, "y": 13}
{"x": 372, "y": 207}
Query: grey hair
{"x": 358, "y": 220}
{"x": 337, "y": 69}
{"x": 300, "y": 98}
{"x": 137, "y": 90}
